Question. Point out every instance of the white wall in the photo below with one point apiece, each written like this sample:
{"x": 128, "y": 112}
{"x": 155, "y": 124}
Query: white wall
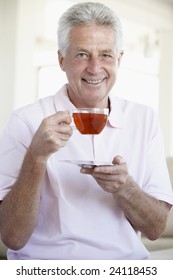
{"x": 30, "y": 23}
{"x": 166, "y": 88}
{"x": 8, "y": 21}
{"x": 21, "y": 23}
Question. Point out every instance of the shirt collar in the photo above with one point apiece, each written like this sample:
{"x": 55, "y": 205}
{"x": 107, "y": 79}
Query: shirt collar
{"x": 116, "y": 118}
{"x": 61, "y": 100}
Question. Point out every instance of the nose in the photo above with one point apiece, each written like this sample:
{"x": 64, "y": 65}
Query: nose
{"x": 94, "y": 65}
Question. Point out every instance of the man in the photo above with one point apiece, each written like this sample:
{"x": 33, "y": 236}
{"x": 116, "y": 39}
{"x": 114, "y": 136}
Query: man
{"x": 52, "y": 209}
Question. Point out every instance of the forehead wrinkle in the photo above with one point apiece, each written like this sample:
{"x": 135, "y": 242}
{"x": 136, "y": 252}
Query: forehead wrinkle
{"x": 98, "y": 36}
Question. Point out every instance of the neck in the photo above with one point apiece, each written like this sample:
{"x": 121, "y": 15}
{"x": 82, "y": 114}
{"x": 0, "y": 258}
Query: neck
{"x": 82, "y": 104}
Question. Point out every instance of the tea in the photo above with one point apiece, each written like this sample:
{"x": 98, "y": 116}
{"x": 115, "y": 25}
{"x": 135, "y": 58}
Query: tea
{"x": 90, "y": 123}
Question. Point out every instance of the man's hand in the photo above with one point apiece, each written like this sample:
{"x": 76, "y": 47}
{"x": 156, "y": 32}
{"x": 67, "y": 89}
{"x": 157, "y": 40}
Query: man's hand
{"x": 110, "y": 177}
{"x": 53, "y": 134}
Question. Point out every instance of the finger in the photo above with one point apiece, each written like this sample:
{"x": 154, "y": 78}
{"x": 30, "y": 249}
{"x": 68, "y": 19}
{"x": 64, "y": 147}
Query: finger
{"x": 104, "y": 169}
{"x": 58, "y": 118}
{"x": 104, "y": 177}
{"x": 56, "y": 142}
{"x": 61, "y": 143}
{"x": 64, "y": 129}
{"x": 107, "y": 172}
{"x": 64, "y": 117}
{"x": 96, "y": 170}
{"x": 118, "y": 160}
{"x": 63, "y": 136}
{"x": 89, "y": 171}
{"x": 110, "y": 169}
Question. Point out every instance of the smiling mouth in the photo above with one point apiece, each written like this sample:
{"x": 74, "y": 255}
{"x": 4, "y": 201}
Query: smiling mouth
{"x": 93, "y": 82}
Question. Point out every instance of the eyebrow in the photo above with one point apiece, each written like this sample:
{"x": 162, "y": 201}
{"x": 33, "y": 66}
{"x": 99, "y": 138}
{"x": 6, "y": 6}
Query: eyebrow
{"x": 101, "y": 51}
{"x": 81, "y": 50}
{"x": 107, "y": 50}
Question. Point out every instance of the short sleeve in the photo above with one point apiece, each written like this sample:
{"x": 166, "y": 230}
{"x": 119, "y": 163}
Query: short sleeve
{"x": 14, "y": 141}
{"x": 157, "y": 181}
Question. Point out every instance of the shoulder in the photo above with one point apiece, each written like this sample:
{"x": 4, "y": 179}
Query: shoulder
{"x": 42, "y": 107}
{"x": 133, "y": 110}
{"x": 27, "y": 119}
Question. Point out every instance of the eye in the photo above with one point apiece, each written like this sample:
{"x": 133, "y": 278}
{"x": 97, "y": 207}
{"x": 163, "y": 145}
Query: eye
{"x": 107, "y": 56}
{"x": 82, "y": 55}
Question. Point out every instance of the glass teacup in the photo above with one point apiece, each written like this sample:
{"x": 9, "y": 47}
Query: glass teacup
{"x": 90, "y": 120}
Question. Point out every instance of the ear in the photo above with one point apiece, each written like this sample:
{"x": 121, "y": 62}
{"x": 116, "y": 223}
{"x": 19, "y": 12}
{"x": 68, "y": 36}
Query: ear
{"x": 120, "y": 57}
{"x": 61, "y": 60}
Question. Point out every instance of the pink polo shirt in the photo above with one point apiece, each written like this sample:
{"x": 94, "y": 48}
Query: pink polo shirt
{"x": 77, "y": 218}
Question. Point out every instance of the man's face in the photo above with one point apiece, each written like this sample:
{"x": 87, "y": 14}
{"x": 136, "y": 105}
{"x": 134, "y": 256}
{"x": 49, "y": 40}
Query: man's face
{"x": 91, "y": 65}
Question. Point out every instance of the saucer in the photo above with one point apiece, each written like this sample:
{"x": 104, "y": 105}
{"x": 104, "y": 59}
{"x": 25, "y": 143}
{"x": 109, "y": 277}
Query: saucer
{"x": 86, "y": 164}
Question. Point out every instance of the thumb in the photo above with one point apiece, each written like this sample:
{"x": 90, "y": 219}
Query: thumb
{"x": 118, "y": 160}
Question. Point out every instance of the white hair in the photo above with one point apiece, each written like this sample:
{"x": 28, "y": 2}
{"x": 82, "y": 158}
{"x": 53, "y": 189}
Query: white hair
{"x": 88, "y": 13}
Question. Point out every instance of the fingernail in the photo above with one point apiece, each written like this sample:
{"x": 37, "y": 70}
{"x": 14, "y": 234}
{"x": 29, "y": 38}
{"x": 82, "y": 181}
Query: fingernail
{"x": 83, "y": 171}
{"x": 96, "y": 169}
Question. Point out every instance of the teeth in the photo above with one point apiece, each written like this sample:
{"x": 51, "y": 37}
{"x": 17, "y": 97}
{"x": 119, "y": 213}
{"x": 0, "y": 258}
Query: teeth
{"x": 94, "y": 81}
